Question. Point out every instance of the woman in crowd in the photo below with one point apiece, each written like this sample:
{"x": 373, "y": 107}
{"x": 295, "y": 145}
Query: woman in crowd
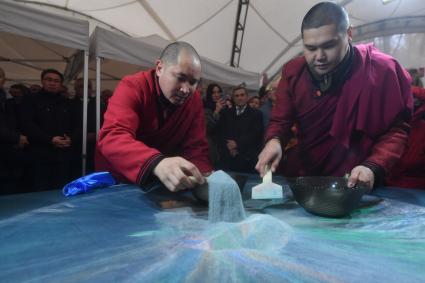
{"x": 214, "y": 103}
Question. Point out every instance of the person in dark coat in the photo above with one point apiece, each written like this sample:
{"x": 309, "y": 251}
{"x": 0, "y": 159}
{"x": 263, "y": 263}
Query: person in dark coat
{"x": 14, "y": 159}
{"x": 240, "y": 134}
{"x": 48, "y": 121}
{"x": 213, "y": 104}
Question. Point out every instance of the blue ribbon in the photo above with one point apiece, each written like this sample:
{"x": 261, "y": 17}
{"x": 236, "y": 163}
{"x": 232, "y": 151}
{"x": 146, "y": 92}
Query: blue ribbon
{"x": 89, "y": 182}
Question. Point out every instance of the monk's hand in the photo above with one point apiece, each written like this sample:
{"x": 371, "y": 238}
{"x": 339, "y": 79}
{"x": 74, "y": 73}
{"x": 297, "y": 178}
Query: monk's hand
{"x": 270, "y": 155}
{"x": 174, "y": 173}
{"x": 361, "y": 174}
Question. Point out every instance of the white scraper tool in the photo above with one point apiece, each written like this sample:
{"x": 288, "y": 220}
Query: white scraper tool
{"x": 267, "y": 189}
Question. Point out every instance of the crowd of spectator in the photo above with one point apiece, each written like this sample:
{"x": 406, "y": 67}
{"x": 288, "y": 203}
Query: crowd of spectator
{"x": 41, "y": 133}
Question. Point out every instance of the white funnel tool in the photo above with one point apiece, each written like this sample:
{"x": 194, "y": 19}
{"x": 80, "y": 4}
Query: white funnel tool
{"x": 267, "y": 189}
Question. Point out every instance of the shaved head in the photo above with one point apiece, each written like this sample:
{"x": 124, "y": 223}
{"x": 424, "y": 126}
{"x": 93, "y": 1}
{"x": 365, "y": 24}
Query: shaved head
{"x": 326, "y": 13}
{"x": 170, "y": 55}
{"x": 178, "y": 71}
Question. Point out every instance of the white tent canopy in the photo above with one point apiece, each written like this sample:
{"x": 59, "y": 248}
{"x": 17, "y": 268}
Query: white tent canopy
{"x": 116, "y": 46}
{"x": 24, "y": 58}
{"x": 119, "y": 47}
{"x": 272, "y": 29}
{"x": 33, "y": 40}
{"x": 21, "y": 20}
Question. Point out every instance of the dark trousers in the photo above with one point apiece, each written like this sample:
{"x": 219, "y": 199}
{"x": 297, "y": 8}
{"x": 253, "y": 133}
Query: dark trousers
{"x": 52, "y": 168}
{"x": 15, "y": 173}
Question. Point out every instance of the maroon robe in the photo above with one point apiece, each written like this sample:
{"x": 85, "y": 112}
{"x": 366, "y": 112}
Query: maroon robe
{"x": 362, "y": 121}
{"x": 409, "y": 171}
{"x": 135, "y": 134}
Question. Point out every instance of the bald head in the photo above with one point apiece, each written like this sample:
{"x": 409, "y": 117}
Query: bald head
{"x": 170, "y": 55}
{"x": 178, "y": 71}
{"x": 326, "y": 13}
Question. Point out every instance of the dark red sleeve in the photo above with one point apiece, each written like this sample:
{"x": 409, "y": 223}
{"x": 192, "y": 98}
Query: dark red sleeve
{"x": 390, "y": 147}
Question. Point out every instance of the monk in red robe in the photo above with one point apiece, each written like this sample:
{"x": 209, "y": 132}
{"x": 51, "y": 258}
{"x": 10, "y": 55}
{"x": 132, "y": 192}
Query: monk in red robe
{"x": 351, "y": 104}
{"x": 154, "y": 126}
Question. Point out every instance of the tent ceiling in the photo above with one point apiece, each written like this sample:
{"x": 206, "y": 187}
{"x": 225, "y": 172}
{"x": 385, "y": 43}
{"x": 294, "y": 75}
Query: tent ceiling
{"x": 24, "y": 58}
{"x": 32, "y": 41}
{"x": 272, "y": 30}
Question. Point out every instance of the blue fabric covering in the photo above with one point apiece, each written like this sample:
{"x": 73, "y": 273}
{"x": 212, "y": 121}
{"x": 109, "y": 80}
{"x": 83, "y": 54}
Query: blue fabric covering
{"x": 124, "y": 235}
{"x": 92, "y": 181}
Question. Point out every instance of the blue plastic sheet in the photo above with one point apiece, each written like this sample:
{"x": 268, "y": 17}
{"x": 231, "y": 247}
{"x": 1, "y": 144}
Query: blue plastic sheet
{"x": 89, "y": 182}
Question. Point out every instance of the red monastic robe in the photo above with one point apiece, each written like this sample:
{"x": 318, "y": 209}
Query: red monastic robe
{"x": 134, "y": 135}
{"x": 409, "y": 172}
{"x": 362, "y": 121}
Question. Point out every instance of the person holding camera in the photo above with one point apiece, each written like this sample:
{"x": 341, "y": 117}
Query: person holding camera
{"x": 213, "y": 104}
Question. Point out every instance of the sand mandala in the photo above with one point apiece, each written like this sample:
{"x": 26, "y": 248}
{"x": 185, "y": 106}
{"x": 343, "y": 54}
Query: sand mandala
{"x": 247, "y": 251}
{"x": 263, "y": 248}
{"x": 137, "y": 243}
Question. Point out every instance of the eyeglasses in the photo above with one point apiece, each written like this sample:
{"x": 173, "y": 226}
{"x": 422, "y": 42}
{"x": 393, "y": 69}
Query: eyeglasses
{"x": 51, "y": 80}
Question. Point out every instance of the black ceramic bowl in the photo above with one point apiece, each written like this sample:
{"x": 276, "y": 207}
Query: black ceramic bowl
{"x": 326, "y": 195}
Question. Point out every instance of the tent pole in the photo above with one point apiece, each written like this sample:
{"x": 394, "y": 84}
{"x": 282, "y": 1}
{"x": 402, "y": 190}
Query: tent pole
{"x": 241, "y": 14}
{"x": 85, "y": 102}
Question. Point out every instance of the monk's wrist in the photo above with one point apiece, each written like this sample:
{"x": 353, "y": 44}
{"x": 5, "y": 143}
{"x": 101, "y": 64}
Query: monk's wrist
{"x": 276, "y": 139}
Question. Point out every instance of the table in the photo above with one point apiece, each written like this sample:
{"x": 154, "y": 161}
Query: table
{"x": 120, "y": 234}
